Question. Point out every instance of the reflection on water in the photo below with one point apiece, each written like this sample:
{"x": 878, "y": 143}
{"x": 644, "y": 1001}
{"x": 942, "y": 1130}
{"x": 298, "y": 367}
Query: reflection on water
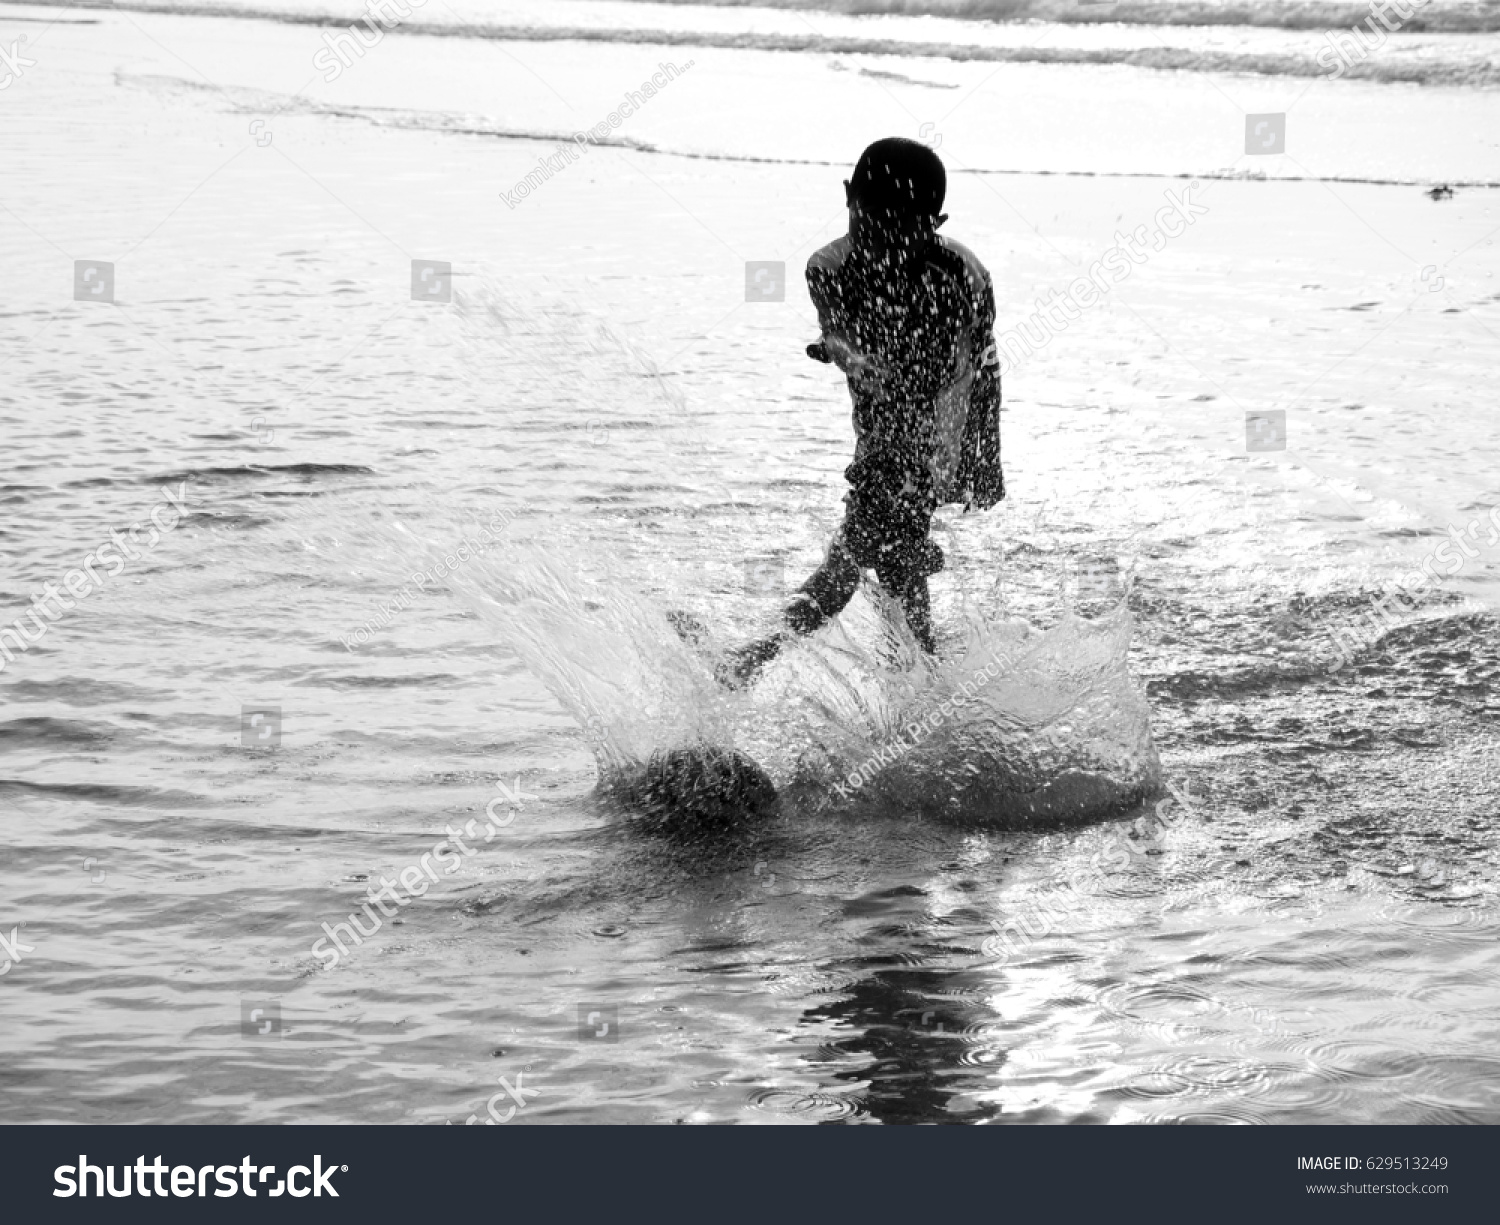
{"x": 906, "y": 1048}
{"x": 1316, "y": 941}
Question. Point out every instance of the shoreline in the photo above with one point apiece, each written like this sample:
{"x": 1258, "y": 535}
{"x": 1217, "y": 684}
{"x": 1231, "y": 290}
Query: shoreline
{"x": 1068, "y": 120}
{"x": 1462, "y": 59}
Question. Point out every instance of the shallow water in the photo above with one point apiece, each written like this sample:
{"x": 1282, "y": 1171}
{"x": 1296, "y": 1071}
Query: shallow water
{"x": 1310, "y": 937}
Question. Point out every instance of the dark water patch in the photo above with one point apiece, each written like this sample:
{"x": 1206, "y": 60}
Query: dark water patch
{"x": 1238, "y": 684}
{"x": 235, "y": 519}
{"x": 273, "y": 494}
{"x": 415, "y": 681}
{"x": 88, "y": 691}
{"x": 643, "y": 488}
{"x": 1336, "y": 648}
{"x": 883, "y": 901}
{"x": 43, "y": 731}
{"x": 912, "y": 1052}
{"x": 102, "y": 793}
{"x": 221, "y": 476}
{"x": 902, "y": 78}
{"x": 1449, "y": 662}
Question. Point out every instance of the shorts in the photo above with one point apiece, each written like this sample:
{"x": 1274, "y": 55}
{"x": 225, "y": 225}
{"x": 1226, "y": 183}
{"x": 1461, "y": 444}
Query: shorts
{"x": 885, "y": 529}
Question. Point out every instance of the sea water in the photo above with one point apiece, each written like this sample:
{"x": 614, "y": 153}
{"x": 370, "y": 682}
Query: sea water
{"x": 1296, "y": 924}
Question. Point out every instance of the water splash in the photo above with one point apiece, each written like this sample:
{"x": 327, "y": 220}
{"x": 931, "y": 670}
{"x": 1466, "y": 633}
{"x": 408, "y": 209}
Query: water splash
{"x": 1015, "y": 725}
{"x": 606, "y": 653}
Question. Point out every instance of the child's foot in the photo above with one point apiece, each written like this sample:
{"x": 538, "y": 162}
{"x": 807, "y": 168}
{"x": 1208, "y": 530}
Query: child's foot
{"x": 740, "y": 667}
{"x": 691, "y": 630}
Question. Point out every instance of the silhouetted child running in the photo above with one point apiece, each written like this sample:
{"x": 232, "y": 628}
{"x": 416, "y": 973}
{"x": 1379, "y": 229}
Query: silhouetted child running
{"x": 908, "y": 316}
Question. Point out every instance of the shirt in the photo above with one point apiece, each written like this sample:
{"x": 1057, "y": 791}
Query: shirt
{"x": 931, "y": 427}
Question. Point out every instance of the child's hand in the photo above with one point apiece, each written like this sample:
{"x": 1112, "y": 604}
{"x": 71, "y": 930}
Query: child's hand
{"x": 866, "y": 372}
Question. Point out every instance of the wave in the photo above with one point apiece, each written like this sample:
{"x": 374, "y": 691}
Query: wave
{"x": 255, "y": 471}
{"x": 121, "y": 795}
{"x": 44, "y": 731}
{"x": 252, "y": 101}
{"x": 1436, "y": 65}
{"x": 1448, "y": 18}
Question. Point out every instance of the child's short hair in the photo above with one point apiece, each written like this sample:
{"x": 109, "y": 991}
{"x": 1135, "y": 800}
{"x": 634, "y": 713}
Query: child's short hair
{"x": 896, "y": 175}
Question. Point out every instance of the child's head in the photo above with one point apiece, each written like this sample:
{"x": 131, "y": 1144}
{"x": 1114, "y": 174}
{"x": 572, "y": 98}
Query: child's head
{"x": 895, "y": 196}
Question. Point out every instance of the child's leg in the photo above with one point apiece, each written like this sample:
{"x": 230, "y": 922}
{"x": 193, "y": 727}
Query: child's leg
{"x": 827, "y": 592}
{"x": 917, "y": 602}
{"x": 818, "y": 601}
{"x": 880, "y": 532}
{"x": 902, "y": 557}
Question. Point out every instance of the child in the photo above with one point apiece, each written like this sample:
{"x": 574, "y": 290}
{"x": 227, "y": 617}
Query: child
{"x": 908, "y": 317}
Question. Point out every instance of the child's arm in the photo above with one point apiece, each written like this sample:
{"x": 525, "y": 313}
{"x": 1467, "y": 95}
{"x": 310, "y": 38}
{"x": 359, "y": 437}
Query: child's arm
{"x": 979, "y": 482}
{"x": 864, "y": 371}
